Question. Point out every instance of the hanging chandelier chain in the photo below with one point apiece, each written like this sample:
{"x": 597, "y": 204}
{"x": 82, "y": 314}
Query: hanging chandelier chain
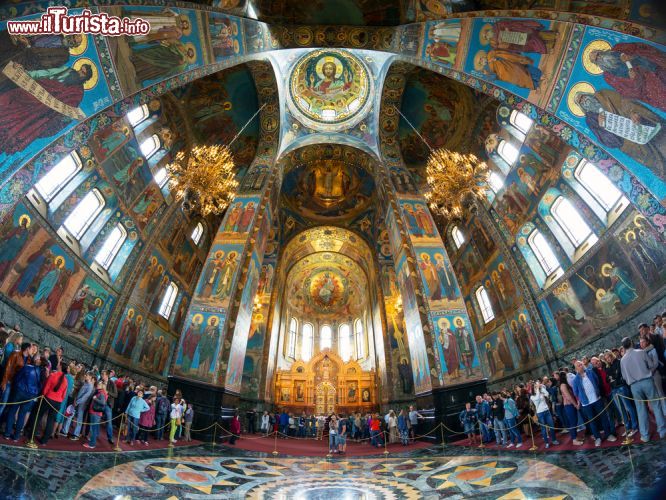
{"x": 248, "y": 122}
{"x": 414, "y": 129}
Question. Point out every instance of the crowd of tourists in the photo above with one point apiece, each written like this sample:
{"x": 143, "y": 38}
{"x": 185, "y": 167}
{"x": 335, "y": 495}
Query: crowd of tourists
{"x": 368, "y": 428}
{"x": 77, "y": 399}
{"x": 595, "y": 395}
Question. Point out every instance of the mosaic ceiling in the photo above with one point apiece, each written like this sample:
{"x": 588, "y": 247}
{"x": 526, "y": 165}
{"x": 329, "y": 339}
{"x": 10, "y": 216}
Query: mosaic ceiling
{"x": 327, "y": 284}
{"x": 329, "y": 87}
{"x": 328, "y": 183}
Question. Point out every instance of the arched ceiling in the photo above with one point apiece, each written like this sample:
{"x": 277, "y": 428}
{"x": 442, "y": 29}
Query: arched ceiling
{"x": 327, "y": 239}
{"x": 217, "y": 107}
{"x": 447, "y": 113}
{"x": 328, "y": 183}
{"x": 327, "y": 285}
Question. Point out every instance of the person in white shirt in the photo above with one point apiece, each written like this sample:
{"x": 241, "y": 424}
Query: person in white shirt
{"x": 265, "y": 422}
{"x": 540, "y": 402}
{"x": 176, "y": 416}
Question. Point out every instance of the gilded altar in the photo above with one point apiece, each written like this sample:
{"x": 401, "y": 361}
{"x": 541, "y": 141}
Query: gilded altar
{"x": 326, "y": 384}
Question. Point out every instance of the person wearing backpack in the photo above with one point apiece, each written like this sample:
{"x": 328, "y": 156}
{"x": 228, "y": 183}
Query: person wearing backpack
{"x": 98, "y": 405}
{"x": 163, "y": 407}
{"x": 54, "y": 393}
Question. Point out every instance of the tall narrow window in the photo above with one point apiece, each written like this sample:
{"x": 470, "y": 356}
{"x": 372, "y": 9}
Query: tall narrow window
{"x": 111, "y": 246}
{"x": 495, "y": 181}
{"x": 345, "y": 345}
{"x": 570, "y": 221}
{"x": 308, "y": 342}
{"x": 544, "y": 254}
{"x": 161, "y": 176}
{"x": 78, "y": 222}
{"x": 168, "y": 300}
{"x": 508, "y": 152}
{"x": 360, "y": 341}
{"x": 484, "y": 304}
{"x": 458, "y": 237}
{"x": 597, "y": 184}
{"x": 150, "y": 146}
{"x": 58, "y": 177}
{"x": 325, "y": 337}
{"x": 293, "y": 326}
{"x": 197, "y": 233}
{"x": 521, "y": 121}
{"x": 137, "y": 115}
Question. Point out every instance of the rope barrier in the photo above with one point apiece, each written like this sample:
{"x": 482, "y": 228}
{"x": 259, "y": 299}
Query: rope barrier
{"x": 20, "y": 402}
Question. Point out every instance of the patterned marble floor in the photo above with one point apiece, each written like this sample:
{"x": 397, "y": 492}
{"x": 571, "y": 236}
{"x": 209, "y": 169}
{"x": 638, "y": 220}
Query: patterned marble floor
{"x": 222, "y": 472}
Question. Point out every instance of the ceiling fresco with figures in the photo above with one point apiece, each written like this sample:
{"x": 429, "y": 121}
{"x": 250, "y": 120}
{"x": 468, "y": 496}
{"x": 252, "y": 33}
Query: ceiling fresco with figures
{"x": 216, "y": 108}
{"x": 329, "y": 87}
{"x": 328, "y": 183}
{"x": 448, "y": 114}
{"x": 327, "y": 284}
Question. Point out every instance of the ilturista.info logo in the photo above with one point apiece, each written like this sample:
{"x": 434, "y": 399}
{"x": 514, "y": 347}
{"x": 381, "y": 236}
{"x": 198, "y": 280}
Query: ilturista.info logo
{"x": 56, "y": 21}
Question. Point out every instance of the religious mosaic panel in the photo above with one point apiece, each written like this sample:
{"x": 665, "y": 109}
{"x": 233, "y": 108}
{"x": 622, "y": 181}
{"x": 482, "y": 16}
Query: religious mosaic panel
{"x": 48, "y": 83}
{"x": 329, "y": 87}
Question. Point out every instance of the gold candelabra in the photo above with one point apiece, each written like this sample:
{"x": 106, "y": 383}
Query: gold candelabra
{"x": 205, "y": 183}
{"x": 455, "y": 180}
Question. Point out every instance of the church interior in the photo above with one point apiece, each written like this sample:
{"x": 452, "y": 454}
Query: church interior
{"x": 344, "y": 207}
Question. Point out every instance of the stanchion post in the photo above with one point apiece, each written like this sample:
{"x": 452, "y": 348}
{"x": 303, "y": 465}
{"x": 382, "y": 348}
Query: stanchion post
{"x": 441, "y": 428}
{"x": 120, "y": 433}
{"x": 386, "y": 435}
{"x": 214, "y": 434}
{"x": 529, "y": 421}
{"x": 31, "y": 444}
{"x": 172, "y": 422}
{"x": 627, "y": 438}
{"x": 275, "y": 452}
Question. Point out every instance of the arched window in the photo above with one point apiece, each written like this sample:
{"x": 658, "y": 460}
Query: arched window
{"x": 161, "y": 176}
{"x": 168, "y": 300}
{"x": 293, "y": 327}
{"x": 571, "y": 222}
{"x": 58, "y": 177}
{"x": 508, "y": 152}
{"x": 360, "y": 344}
{"x": 111, "y": 246}
{"x": 598, "y": 185}
{"x": 521, "y": 121}
{"x": 484, "y": 304}
{"x": 544, "y": 254}
{"x": 325, "y": 337}
{"x": 197, "y": 233}
{"x": 150, "y": 146}
{"x": 495, "y": 181}
{"x": 78, "y": 222}
{"x": 137, "y": 115}
{"x": 308, "y": 342}
{"x": 345, "y": 344}
{"x": 458, "y": 237}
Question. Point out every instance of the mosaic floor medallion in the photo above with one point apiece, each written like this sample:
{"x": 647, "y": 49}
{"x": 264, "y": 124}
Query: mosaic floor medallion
{"x": 308, "y": 479}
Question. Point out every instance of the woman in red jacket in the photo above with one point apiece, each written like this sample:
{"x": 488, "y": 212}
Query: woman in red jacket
{"x": 54, "y": 393}
{"x": 235, "y": 429}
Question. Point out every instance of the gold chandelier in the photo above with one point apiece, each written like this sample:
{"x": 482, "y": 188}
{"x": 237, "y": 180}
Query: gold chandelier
{"x": 455, "y": 180}
{"x": 205, "y": 183}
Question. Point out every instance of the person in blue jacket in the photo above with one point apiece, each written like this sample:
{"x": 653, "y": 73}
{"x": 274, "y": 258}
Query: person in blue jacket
{"x": 27, "y": 385}
{"x": 586, "y": 389}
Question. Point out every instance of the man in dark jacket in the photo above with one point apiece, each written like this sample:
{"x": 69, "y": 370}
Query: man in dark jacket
{"x": 621, "y": 394}
{"x": 162, "y": 409}
{"x": 112, "y": 394}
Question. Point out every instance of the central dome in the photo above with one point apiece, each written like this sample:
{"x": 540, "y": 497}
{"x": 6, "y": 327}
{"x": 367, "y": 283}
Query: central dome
{"x": 329, "y": 89}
